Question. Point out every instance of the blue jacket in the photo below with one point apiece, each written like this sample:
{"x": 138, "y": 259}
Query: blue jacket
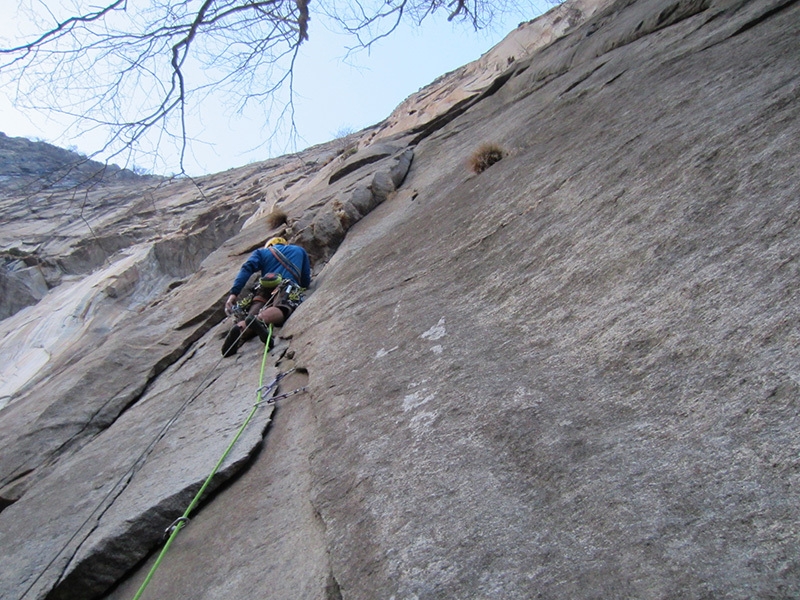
{"x": 263, "y": 260}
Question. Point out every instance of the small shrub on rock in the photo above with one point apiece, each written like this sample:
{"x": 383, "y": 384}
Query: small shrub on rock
{"x": 348, "y": 151}
{"x": 277, "y": 218}
{"x": 341, "y": 214}
{"x": 485, "y": 156}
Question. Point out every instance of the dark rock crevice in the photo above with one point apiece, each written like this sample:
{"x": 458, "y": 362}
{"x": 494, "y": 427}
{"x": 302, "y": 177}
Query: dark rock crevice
{"x": 8, "y": 495}
{"x": 103, "y": 565}
{"x": 434, "y": 125}
{"x": 355, "y": 165}
{"x": 768, "y": 14}
{"x": 440, "y": 121}
{"x": 213, "y": 315}
{"x": 596, "y": 38}
{"x": 670, "y": 15}
{"x": 182, "y": 256}
{"x": 332, "y": 589}
{"x": 583, "y": 78}
{"x": 21, "y": 286}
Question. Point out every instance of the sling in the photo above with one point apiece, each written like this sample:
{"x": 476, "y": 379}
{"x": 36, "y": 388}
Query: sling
{"x": 287, "y": 264}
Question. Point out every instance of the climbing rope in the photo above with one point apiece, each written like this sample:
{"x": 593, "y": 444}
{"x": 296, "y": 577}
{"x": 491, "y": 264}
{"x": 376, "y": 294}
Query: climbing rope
{"x": 126, "y": 477}
{"x": 172, "y": 531}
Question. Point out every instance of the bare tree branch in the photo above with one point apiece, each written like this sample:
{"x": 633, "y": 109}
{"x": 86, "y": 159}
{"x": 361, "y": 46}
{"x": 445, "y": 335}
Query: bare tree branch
{"x": 65, "y": 27}
{"x": 137, "y": 69}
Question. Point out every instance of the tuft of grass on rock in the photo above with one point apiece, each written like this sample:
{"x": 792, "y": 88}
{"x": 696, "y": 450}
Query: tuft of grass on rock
{"x": 348, "y": 151}
{"x": 341, "y": 214}
{"x": 485, "y": 156}
{"x": 277, "y": 218}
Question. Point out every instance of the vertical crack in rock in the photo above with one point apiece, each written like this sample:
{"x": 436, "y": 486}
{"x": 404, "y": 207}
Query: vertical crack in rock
{"x": 107, "y": 503}
{"x": 97, "y": 564}
{"x": 332, "y": 589}
{"x": 109, "y": 558}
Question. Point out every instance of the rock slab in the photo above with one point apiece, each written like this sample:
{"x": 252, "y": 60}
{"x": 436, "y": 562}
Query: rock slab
{"x": 574, "y": 375}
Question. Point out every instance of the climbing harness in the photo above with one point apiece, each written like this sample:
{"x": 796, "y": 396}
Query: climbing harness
{"x": 280, "y": 289}
{"x": 180, "y": 522}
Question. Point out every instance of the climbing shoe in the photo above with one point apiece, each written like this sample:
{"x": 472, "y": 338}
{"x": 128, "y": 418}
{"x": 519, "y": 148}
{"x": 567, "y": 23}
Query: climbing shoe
{"x": 260, "y": 328}
{"x": 231, "y": 343}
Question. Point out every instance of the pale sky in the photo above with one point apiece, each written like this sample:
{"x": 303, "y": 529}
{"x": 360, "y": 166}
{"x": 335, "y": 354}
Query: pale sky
{"x": 332, "y": 95}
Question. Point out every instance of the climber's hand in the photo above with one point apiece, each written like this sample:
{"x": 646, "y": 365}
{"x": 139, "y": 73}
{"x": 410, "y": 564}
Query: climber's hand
{"x": 229, "y": 304}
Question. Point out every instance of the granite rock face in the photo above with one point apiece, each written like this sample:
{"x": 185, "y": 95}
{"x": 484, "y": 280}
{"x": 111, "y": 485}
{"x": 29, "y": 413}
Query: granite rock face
{"x": 575, "y": 374}
{"x": 32, "y": 166}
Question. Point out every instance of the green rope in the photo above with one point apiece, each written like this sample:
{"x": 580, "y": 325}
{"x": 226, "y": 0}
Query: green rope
{"x": 179, "y": 523}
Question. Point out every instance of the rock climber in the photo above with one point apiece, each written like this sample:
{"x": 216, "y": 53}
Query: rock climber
{"x": 285, "y": 270}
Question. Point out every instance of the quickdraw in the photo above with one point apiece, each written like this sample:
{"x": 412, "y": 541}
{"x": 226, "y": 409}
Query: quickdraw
{"x": 176, "y": 524}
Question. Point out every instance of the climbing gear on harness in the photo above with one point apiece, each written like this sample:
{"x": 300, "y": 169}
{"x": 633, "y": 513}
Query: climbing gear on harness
{"x": 271, "y": 280}
{"x": 270, "y": 290}
{"x": 295, "y": 294}
{"x": 283, "y": 290}
{"x": 240, "y": 309}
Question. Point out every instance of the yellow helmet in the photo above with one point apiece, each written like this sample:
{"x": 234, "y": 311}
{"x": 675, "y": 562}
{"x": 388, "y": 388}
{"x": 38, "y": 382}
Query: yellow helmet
{"x": 275, "y": 240}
